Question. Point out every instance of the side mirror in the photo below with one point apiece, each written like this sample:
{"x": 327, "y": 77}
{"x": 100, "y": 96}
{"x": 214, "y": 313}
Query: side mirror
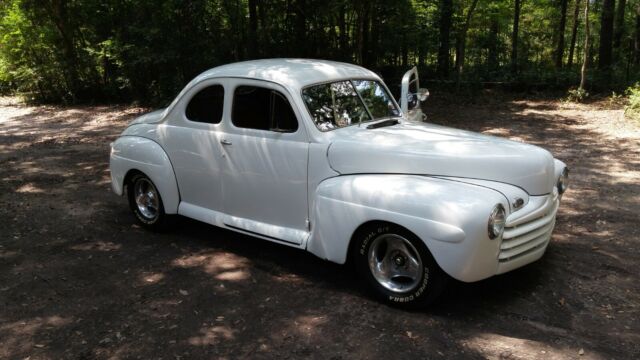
{"x": 423, "y": 94}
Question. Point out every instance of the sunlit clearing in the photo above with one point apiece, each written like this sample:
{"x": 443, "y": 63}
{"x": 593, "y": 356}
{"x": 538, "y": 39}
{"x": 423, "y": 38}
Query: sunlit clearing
{"x": 222, "y": 266}
{"x": 19, "y": 336}
{"x": 308, "y": 325}
{"x": 152, "y": 278}
{"x": 211, "y": 336}
{"x": 494, "y": 346}
{"x": 29, "y": 188}
{"x": 97, "y": 246}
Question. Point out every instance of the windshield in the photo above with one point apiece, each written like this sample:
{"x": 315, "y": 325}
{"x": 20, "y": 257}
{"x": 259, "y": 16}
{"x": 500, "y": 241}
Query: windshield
{"x": 343, "y": 103}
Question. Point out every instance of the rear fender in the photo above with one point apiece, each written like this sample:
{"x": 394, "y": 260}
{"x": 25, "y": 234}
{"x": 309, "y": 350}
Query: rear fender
{"x": 137, "y": 153}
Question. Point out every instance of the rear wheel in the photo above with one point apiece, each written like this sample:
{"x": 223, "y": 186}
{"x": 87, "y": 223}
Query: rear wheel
{"x": 397, "y": 266}
{"x": 146, "y": 203}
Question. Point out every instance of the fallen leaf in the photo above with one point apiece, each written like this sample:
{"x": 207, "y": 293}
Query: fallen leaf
{"x": 184, "y": 292}
{"x": 39, "y": 346}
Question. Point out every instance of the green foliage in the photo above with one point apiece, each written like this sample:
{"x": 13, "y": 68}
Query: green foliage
{"x": 577, "y": 95}
{"x": 632, "y": 110}
{"x": 147, "y": 50}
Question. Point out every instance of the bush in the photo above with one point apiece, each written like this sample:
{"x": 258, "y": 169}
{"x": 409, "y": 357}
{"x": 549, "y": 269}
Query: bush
{"x": 632, "y": 110}
{"x": 577, "y": 95}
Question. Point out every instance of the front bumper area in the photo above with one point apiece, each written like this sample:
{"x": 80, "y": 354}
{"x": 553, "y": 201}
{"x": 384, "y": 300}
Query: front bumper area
{"x": 527, "y": 232}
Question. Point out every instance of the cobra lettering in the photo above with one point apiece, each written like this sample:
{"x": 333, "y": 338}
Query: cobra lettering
{"x": 424, "y": 282}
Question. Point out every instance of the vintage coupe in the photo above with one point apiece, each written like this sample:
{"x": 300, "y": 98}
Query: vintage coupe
{"x": 318, "y": 155}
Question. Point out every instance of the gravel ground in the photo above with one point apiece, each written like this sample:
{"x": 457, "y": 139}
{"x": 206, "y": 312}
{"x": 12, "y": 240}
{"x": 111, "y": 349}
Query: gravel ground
{"x": 80, "y": 280}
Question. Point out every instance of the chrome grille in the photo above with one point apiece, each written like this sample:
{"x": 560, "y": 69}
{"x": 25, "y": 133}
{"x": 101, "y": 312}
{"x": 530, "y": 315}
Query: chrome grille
{"x": 531, "y": 230}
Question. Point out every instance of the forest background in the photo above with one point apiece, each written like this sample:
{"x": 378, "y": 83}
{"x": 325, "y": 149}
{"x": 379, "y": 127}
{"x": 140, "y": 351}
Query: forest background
{"x": 79, "y": 51}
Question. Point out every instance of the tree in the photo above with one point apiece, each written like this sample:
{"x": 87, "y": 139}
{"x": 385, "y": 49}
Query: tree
{"x": 606, "y": 35}
{"x": 636, "y": 46}
{"x": 585, "y": 62}
{"x": 446, "y": 11}
{"x": 145, "y": 50}
{"x": 619, "y": 24}
{"x": 574, "y": 32}
{"x": 514, "y": 37}
{"x": 492, "y": 56}
{"x": 462, "y": 40}
{"x": 253, "y": 28}
{"x": 560, "y": 34}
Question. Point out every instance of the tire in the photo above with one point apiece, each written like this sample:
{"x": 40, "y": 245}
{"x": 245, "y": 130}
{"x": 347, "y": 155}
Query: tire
{"x": 397, "y": 266}
{"x": 146, "y": 203}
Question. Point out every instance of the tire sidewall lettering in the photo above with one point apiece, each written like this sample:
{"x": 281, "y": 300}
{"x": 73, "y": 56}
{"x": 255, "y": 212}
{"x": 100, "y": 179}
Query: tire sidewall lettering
{"x": 365, "y": 242}
{"x": 412, "y": 296}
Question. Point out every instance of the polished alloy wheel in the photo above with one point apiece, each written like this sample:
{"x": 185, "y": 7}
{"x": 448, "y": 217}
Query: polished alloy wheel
{"x": 146, "y": 197}
{"x": 395, "y": 263}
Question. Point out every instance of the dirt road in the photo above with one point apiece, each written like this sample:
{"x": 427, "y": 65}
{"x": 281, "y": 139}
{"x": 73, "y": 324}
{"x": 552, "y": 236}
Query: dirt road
{"x": 79, "y": 280}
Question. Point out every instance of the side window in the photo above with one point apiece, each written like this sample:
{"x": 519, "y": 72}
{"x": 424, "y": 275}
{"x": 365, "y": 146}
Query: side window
{"x": 260, "y": 108}
{"x": 283, "y": 118}
{"x": 413, "y": 92}
{"x": 206, "y": 106}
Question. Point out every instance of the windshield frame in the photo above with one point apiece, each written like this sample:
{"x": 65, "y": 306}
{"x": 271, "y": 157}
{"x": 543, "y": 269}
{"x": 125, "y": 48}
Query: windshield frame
{"x": 351, "y": 80}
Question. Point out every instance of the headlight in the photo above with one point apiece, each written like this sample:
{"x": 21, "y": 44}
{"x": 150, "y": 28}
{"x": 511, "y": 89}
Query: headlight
{"x": 496, "y": 222}
{"x": 563, "y": 181}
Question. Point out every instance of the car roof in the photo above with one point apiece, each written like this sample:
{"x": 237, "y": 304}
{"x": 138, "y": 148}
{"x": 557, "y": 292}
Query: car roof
{"x": 292, "y": 73}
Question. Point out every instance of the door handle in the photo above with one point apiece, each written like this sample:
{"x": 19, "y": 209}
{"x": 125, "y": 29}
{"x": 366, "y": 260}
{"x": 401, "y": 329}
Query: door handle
{"x": 225, "y": 142}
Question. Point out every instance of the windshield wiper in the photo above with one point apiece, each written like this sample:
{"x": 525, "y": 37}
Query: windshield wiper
{"x": 384, "y": 123}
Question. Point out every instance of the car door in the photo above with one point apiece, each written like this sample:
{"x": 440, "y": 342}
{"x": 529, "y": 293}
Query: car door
{"x": 411, "y": 96}
{"x": 265, "y": 178}
{"x": 191, "y": 139}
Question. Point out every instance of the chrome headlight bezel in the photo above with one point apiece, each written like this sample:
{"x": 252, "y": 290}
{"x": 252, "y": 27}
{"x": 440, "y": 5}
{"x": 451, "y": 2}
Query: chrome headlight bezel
{"x": 563, "y": 181}
{"x": 496, "y": 223}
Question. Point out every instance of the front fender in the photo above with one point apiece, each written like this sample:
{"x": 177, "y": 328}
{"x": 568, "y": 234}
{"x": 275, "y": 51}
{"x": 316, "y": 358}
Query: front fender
{"x": 450, "y": 217}
{"x": 145, "y": 155}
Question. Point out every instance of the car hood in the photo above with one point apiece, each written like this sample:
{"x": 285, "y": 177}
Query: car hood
{"x": 426, "y": 149}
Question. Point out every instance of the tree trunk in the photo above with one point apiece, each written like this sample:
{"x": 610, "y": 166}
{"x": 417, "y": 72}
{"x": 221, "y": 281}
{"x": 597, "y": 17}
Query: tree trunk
{"x": 514, "y": 37}
{"x": 342, "y": 24}
{"x": 574, "y": 32}
{"x": 606, "y": 35}
{"x": 446, "y": 11}
{"x": 300, "y": 28}
{"x": 561, "y": 27}
{"x": 492, "y": 58}
{"x": 363, "y": 33}
{"x": 636, "y": 46}
{"x": 619, "y": 24}
{"x": 461, "y": 42}
{"x": 60, "y": 19}
{"x": 374, "y": 35}
{"x": 253, "y": 29}
{"x": 585, "y": 63}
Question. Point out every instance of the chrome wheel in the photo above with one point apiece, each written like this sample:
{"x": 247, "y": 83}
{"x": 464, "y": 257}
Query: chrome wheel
{"x": 395, "y": 263}
{"x": 146, "y": 198}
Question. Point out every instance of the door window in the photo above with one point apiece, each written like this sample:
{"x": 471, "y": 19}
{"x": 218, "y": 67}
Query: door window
{"x": 412, "y": 97}
{"x": 260, "y": 108}
{"x": 206, "y": 106}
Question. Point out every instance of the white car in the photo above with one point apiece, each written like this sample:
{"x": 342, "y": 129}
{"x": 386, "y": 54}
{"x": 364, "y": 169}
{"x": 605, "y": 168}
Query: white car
{"x": 318, "y": 155}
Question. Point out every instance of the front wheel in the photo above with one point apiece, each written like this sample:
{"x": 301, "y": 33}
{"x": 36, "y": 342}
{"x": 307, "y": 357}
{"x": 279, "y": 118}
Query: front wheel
{"x": 397, "y": 266}
{"x": 146, "y": 203}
